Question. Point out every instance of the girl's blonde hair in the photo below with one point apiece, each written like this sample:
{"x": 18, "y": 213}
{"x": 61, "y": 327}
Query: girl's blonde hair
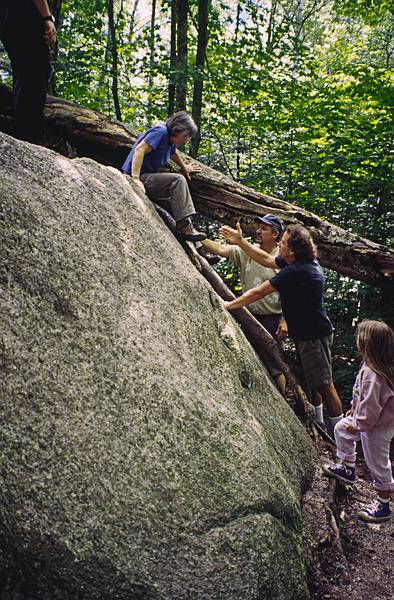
{"x": 375, "y": 341}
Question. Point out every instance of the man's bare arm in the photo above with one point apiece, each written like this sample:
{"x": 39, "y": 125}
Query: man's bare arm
{"x": 234, "y": 236}
{"x": 217, "y": 248}
{"x": 251, "y": 296}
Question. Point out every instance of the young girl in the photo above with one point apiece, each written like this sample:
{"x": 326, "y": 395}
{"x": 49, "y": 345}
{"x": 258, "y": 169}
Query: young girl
{"x": 371, "y": 418}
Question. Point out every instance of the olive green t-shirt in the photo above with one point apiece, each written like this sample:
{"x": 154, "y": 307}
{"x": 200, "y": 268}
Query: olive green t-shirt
{"x": 252, "y": 274}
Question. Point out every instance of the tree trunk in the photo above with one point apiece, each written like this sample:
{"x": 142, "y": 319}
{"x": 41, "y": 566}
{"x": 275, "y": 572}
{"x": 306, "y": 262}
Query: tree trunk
{"x": 92, "y": 134}
{"x": 114, "y": 54}
{"x": 56, "y": 8}
{"x": 132, "y": 19}
{"x": 181, "y": 59}
{"x": 238, "y": 133}
{"x": 171, "y": 75}
{"x": 151, "y": 58}
{"x": 199, "y": 76}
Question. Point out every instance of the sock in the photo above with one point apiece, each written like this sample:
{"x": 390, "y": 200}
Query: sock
{"x": 334, "y": 420}
{"x": 384, "y": 500}
{"x": 319, "y": 414}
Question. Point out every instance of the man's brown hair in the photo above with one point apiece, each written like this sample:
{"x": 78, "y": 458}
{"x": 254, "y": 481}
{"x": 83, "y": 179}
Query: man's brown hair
{"x": 300, "y": 242}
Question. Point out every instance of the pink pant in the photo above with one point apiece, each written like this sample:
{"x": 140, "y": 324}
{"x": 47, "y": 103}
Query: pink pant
{"x": 376, "y": 448}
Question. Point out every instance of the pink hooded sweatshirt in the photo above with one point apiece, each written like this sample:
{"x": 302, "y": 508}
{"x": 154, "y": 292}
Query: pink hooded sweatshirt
{"x": 373, "y": 401}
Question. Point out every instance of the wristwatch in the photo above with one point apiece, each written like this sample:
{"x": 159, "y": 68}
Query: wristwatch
{"x": 49, "y": 18}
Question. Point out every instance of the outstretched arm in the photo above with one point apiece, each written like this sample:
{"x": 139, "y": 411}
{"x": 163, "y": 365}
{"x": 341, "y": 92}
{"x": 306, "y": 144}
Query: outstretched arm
{"x": 217, "y": 248}
{"x": 251, "y": 296}
{"x": 234, "y": 236}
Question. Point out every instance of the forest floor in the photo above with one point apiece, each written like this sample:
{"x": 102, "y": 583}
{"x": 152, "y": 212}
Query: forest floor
{"x": 357, "y": 564}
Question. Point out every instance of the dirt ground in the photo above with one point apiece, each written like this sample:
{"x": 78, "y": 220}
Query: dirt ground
{"x": 359, "y": 564}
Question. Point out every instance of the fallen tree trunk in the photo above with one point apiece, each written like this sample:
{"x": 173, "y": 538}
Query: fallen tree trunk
{"x": 78, "y": 131}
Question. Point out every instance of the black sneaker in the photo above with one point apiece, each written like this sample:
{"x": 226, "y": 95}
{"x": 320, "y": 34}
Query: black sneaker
{"x": 212, "y": 259}
{"x": 341, "y": 472}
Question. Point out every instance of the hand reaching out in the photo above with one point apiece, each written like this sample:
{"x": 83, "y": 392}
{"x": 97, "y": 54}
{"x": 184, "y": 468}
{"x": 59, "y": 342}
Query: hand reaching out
{"x": 234, "y": 236}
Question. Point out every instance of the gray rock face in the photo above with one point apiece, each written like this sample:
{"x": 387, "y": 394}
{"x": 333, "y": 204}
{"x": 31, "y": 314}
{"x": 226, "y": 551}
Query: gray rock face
{"x": 144, "y": 451}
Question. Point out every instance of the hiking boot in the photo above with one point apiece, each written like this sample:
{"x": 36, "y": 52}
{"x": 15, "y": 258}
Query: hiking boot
{"x": 341, "y": 472}
{"x": 376, "y": 512}
{"x": 212, "y": 259}
{"x": 188, "y": 232}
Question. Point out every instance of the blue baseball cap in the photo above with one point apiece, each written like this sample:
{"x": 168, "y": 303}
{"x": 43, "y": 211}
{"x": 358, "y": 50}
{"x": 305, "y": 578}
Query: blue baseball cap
{"x": 273, "y": 221}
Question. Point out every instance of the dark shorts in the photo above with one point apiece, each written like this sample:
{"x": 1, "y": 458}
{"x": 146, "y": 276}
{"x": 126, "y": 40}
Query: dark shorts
{"x": 315, "y": 359}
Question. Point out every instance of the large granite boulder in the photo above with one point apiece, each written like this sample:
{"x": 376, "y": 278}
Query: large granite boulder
{"x": 144, "y": 451}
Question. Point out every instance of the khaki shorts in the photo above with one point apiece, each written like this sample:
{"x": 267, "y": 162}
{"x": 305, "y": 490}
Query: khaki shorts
{"x": 315, "y": 359}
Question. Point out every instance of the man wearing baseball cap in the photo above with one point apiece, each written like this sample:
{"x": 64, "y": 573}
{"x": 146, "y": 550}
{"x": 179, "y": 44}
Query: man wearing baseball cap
{"x": 267, "y": 311}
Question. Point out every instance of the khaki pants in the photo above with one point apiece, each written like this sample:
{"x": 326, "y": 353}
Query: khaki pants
{"x": 173, "y": 188}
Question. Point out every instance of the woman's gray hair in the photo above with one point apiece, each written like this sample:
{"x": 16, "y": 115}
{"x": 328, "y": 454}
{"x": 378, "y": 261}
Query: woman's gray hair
{"x": 181, "y": 122}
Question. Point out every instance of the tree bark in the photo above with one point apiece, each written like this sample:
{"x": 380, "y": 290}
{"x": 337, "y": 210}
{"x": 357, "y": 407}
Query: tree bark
{"x": 199, "y": 76}
{"x": 182, "y": 10}
{"x": 114, "y": 54}
{"x": 171, "y": 74}
{"x": 92, "y": 134}
{"x": 151, "y": 57}
{"x": 56, "y": 8}
{"x": 132, "y": 19}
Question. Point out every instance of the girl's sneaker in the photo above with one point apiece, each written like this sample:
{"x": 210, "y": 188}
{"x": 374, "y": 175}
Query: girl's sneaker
{"x": 341, "y": 472}
{"x": 377, "y": 512}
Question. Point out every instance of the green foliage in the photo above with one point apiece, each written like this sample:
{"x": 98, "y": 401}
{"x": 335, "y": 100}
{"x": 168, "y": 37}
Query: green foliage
{"x": 372, "y": 11}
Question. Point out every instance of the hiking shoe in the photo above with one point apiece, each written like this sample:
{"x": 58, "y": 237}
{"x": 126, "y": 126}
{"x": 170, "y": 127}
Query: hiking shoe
{"x": 377, "y": 512}
{"x": 341, "y": 472}
{"x": 190, "y": 234}
{"x": 212, "y": 259}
